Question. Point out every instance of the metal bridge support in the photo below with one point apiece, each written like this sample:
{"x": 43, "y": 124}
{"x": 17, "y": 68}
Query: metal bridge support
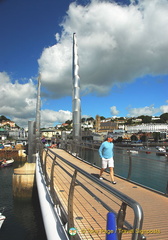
{"x": 121, "y": 219}
{"x": 70, "y": 204}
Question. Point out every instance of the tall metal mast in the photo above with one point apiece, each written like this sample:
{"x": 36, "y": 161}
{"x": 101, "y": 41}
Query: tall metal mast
{"x": 76, "y": 103}
{"x": 38, "y": 106}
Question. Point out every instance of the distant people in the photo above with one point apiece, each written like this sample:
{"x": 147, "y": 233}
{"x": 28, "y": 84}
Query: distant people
{"x": 43, "y": 140}
{"x": 106, "y": 154}
{"x": 58, "y": 144}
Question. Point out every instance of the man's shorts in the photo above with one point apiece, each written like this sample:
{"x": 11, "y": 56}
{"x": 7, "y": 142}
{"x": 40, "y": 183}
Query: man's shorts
{"x": 107, "y": 162}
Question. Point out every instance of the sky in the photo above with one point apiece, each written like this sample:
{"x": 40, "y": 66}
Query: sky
{"x": 122, "y": 50}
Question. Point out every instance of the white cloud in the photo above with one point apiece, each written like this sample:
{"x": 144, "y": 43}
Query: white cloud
{"x": 16, "y": 99}
{"x": 114, "y": 111}
{"x": 135, "y": 112}
{"x": 115, "y": 44}
{"x": 148, "y": 110}
{"x": 50, "y": 118}
{"x": 18, "y": 102}
{"x": 164, "y": 109}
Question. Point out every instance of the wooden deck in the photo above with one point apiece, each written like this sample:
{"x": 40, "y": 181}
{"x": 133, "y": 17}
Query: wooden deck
{"x": 90, "y": 215}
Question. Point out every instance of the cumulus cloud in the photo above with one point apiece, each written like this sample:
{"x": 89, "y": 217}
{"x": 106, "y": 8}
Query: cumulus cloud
{"x": 135, "y": 112}
{"x": 18, "y": 102}
{"x": 147, "y": 110}
{"x": 49, "y": 117}
{"x": 16, "y": 99}
{"x": 114, "y": 111}
{"x": 164, "y": 109}
{"x": 116, "y": 44}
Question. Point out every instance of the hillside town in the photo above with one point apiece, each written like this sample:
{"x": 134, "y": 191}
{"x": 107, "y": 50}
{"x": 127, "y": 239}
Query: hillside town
{"x": 142, "y": 128}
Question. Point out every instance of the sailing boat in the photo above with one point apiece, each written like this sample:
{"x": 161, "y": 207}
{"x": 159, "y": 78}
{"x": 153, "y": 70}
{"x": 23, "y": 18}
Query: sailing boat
{"x": 2, "y": 217}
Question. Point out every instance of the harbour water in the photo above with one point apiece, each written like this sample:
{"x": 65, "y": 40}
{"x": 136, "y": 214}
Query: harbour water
{"x": 23, "y": 218}
{"x": 149, "y": 170}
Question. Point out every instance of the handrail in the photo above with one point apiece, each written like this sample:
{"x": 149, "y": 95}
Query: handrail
{"x": 125, "y": 200}
{"x": 78, "y": 148}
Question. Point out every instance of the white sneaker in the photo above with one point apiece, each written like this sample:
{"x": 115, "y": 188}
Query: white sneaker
{"x": 100, "y": 178}
{"x": 113, "y": 182}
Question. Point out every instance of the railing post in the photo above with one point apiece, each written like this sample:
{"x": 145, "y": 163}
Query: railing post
{"x": 167, "y": 189}
{"x": 45, "y": 166}
{"x": 52, "y": 178}
{"x": 70, "y": 203}
{"x": 120, "y": 219}
{"x": 130, "y": 165}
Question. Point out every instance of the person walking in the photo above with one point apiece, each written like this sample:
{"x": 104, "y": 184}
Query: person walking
{"x": 106, "y": 154}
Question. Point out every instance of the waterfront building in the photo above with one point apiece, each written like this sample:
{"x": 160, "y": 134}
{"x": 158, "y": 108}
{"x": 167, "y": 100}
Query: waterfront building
{"x": 3, "y": 134}
{"x": 8, "y": 122}
{"x": 105, "y": 125}
{"x": 150, "y": 127}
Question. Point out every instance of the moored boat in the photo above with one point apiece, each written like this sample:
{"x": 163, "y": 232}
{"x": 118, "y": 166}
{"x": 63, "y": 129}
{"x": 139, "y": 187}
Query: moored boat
{"x": 6, "y": 163}
{"x": 161, "y": 151}
{"x": 2, "y": 219}
{"x": 148, "y": 150}
{"x": 133, "y": 151}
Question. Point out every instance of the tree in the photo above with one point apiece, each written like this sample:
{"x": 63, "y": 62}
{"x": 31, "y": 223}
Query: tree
{"x": 134, "y": 138}
{"x": 119, "y": 139}
{"x": 156, "y": 136}
{"x": 145, "y": 119}
{"x": 2, "y": 117}
{"x": 90, "y": 119}
{"x": 144, "y": 138}
{"x": 68, "y": 122}
{"x": 129, "y": 121}
{"x": 164, "y": 117}
{"x": 83, "y": 120}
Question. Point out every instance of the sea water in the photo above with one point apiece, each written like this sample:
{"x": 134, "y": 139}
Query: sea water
{"x": 148, "y": 170}
{"x": 23, "y": 218}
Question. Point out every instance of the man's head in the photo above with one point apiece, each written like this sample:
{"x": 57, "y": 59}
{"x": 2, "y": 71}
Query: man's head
{"x": 109, "y": 138}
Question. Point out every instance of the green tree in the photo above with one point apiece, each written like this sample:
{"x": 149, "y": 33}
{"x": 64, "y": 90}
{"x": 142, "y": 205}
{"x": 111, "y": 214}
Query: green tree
{"x": 2, "y": 117}
{"x": 83, "y": 120}
{"x": 119, "y": 139}
{"x": 129, "y": 121}
{"x": 90, "y": 119}
{"x": 145, "y": 118}
{"x": 68, "y": 122}
{"x": 144, "y": 138}
{"x": 164, "y": 117}
{"x": 156, "y": 136}
{"x": 134, "y": 138}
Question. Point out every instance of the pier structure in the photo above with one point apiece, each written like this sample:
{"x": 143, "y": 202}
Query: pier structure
{"x": 82, "y": 201}
{"x": 76, "y": 199}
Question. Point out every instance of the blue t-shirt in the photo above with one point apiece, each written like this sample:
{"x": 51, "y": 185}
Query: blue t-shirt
{"x": 106, "y": 150}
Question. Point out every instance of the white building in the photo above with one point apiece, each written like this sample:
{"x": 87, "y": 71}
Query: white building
{"x": 150, "y": 127}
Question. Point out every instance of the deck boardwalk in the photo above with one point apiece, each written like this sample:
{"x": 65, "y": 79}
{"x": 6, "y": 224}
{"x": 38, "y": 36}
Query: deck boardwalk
{"x": 154, "y": 205}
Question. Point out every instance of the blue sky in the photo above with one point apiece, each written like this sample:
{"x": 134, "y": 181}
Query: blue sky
{"x": 122, "y": 48}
